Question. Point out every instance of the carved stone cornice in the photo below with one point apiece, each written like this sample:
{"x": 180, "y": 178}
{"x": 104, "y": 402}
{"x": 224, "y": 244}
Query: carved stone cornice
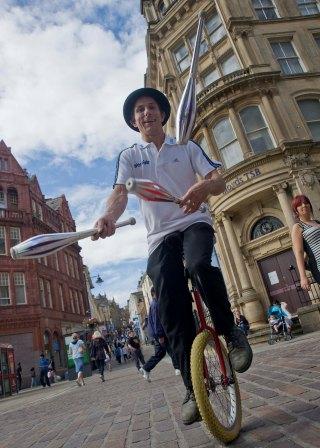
{"x": 307, "y": 178}
{"x": 296, "y": 154}
{"x": 279, "y": 188}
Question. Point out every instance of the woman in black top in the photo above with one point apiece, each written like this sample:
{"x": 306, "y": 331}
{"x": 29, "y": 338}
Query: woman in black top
{"x": 99, "y": 349}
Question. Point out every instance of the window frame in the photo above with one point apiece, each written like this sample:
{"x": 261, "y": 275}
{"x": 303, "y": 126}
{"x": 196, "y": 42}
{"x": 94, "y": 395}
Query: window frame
{"x": 305, "y": 122}
{"x": 13, "y": 242}
{"x": 219, "y": 149}
{"x": 301, "y": 63}
{"x": 267, "y": 127}
{"x": 316, "y": 2}
{"x": 262, "y": 8}
{"x": 8, "y": 286}
{"x": 4, "y": 237}
{"x": 22, "y": 274}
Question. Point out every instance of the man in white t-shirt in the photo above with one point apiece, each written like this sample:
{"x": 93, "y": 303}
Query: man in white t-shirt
{"x": 176, "y": 234}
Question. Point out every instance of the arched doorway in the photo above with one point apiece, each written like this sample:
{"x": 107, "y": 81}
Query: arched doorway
{"x": 47, "y": 342}
{"x": 57, "y": 350}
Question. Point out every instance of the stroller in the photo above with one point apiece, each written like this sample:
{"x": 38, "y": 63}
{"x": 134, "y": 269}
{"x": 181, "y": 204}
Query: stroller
{"x": 282, "y": 330}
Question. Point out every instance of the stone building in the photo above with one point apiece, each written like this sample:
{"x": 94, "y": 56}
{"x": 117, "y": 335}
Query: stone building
{"x": 258, "y": 91}
{"x": 138, "y": 313}
{"x": 40, "y": 299}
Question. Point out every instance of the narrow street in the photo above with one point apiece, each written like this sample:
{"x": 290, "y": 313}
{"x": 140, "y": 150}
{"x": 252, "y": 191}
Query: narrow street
{"x": 281, "y": 407}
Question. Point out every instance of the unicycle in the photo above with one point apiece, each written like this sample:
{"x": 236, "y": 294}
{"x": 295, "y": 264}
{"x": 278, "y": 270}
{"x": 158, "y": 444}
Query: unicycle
{"x": 214, "y": 381}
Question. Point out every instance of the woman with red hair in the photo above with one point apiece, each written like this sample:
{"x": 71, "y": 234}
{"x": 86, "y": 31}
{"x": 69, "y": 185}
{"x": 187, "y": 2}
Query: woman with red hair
{"x": 306, "y": 239}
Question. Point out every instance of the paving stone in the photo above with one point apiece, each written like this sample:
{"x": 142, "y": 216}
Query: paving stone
{"x": 167, "y": 436}
{"x": 254, "y": 403}
{"x": 171, "y": 444}
{"x": 314, "y": 414}
{"x": 140, "y": 435}
{"x": 299, "y": 406}
{"x": 266, "y": 434}
{"x": 163, "y": 425}
{"x": 195, "y": 437}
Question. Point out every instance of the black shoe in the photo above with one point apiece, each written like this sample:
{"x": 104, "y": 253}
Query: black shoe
{"x": 240, "y": 352}
{"x": 189, "y": 410}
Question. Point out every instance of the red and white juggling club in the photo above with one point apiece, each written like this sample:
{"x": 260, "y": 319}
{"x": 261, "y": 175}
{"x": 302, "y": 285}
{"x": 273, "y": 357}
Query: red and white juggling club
{"x": 153, "y": 192}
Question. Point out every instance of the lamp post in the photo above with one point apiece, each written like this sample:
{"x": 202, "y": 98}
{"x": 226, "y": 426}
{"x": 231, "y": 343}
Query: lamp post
{"x": 99, "y": 279}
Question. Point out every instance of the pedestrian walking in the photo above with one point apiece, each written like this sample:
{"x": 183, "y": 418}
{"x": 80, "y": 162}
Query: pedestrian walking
{"x": 33, "y": 377}
{"x": 77, "y": 350}
{"x": 161, "y": 345}
{"x": 99, "y": 351}
{"x": 19, "y": 376}
{"x": 306, "y": 240}
{"x": 178, "y": 237}
{"x": 135, "y": 348}
{"x": 125, "y": 352}
{"x": 44, "y": 367}
{"x": 118, "y": 352}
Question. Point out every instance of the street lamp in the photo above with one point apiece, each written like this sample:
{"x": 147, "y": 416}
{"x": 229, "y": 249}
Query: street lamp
{"x": 99, "y": 279}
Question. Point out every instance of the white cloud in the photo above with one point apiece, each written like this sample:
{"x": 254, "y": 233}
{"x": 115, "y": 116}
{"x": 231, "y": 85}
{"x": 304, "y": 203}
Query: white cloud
{"x": 64, "y": 76}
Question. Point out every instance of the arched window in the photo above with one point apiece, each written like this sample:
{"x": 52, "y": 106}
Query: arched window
{"x": 227, "y": 143}
{"x": 161, "y": 8}
{"x": 256, "y": 129}
{"x": 12, "y": 198}
{"x": 310, "y": 109}
{"x": 265, "y": 225}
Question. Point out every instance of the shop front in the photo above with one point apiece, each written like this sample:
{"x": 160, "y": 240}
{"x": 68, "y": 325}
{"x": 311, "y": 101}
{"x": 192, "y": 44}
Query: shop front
{"x": 8, "y": 382}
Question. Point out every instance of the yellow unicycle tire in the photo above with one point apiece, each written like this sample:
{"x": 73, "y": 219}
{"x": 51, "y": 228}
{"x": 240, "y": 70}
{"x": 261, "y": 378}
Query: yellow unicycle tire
{"x": 219, "y": 404}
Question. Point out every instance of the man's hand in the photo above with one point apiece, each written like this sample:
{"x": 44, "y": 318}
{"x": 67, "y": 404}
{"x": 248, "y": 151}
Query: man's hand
{"x": 161, "y": 340}
{"x": 212, "y": 184}
{"x": 195, "y": 196}
{"x": 305, "y": 283}
{"x": 105, "y": 227}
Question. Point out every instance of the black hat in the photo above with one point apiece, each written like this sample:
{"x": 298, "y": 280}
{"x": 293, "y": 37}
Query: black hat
{"x": 158, "y": 96}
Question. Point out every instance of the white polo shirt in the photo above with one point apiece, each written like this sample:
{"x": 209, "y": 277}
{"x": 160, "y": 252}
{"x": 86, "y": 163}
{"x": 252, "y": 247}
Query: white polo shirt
{"x": 175, "y": 168}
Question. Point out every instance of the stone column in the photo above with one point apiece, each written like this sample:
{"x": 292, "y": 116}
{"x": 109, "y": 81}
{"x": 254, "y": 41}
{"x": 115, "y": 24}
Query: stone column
{"x": 242, "y": 139}
{"x": 284, "y": 202}
{"x": 249, "y": 300}
{"x": 208, "y": 138}
{"x": 233, "y": 284}
{"x": 272, "y": 116}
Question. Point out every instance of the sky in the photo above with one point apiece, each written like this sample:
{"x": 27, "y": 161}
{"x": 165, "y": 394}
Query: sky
{"x": 66, "y": 68}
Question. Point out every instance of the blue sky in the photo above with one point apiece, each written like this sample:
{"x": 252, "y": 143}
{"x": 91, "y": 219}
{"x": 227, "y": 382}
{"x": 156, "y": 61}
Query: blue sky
{"x": 66, "y": 68}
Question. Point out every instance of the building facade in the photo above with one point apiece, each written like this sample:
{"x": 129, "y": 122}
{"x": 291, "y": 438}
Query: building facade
{"x": 40, "y": 299}
{"x": 258, "y": 92}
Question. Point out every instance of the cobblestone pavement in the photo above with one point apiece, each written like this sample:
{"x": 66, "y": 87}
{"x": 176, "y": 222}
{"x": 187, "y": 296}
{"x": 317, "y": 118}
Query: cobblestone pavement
{"x": 280, "y": 393}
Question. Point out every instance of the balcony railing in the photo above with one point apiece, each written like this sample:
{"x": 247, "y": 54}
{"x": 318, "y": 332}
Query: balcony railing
{"x": 234, "y": 76}
{"x": 11, "y": 215}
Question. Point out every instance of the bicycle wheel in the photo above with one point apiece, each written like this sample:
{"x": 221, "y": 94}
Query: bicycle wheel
{"x": 219, "y": 405}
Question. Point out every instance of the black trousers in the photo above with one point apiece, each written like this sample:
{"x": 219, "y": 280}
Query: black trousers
{"x": 100, "y": 363}
{"x": 167, "y": 272}
{"x": 160, "y": 351}
{"x": 44, "y": 380}
{"x": 138, "y": 357}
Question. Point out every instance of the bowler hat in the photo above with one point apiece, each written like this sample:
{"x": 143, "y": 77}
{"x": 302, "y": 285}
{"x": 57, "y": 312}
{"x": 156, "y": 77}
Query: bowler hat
{"x": 158, "y": 96}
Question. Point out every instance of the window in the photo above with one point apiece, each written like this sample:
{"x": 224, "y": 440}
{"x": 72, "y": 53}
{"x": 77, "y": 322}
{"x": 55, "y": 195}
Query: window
{"x": 230, "y": 65}
{"x": 311, "y": 112}
{"x": 215, "y": 29}
{"x": 182, "y": 57}
{"x": 61, "y": 297}
{"x": 264, "y": 9}
{"x": 161, "y": 8}
{"x": 81, "y": 302}
{"x": 264, "y": 226}
{"x": 203, "y": 44}
{"x": 227, "y": 143}
{"x": 204, "y": 145}
{"x": 66, "y": 263}
{"x": 15, "y": 237}
{"x": 2, "y": 198}
{"x": 19, "y": 286}
{"x": 3, "y": 164}
{"x": 308, "y": 7}
{"x": 42, "y": 293}
{"x": 2, "y": 240}
{"x": 76, "y": 271}
{"x": 48, "y": 287}
{"x": 210, "y": 77}
{"x": 71, "y": 266}
{"x": 12, "y": 198}
{"x": 287, "y": 58}
{"x": 56, "y": 260}
{"x": 76, "y": 301}
{"x": 71, "y": 300}
{"x": 256, "y": 129}
{"x": 4, "y": 289}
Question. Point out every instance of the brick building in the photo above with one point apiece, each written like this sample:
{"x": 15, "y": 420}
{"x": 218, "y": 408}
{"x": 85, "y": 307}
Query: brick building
{"x": 41, "y": 299}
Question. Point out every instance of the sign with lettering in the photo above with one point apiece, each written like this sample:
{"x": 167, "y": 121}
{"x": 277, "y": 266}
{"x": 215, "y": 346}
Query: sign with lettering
{"x": 242, "y": 179}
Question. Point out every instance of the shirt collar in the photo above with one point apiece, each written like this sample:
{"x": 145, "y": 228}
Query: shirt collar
{"x": 167, "y": 140}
